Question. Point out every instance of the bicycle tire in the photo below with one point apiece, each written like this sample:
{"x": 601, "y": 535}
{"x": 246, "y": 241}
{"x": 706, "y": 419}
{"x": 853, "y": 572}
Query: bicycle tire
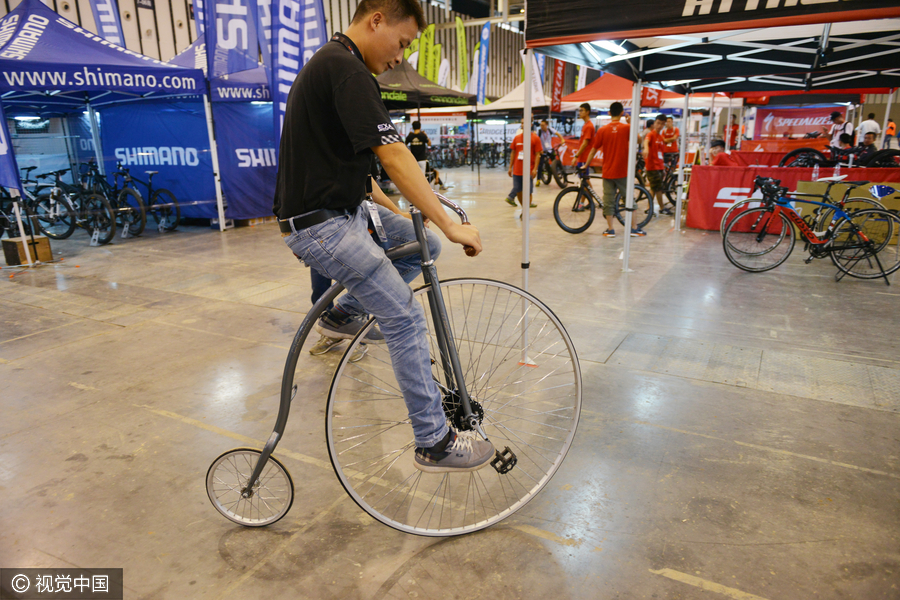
{"x": 228, "y": 476}
{"x": 531, "y": 401}
{"x": 559, "y": 174}
{"x": 802, "y": 157}
{"x": 752, "y": 241}
{"x": 732, "y": 211}
{"x": 132, "y": 211}
{"x": 643, "y": 207}
{"x": 98, "y": 213}
{"x": 165, "y": 207}
{"x": 877, "y": 255}
{"x": 545, "y": 174}
{"x": 567, "y": 214}
{"x": 55, "y": 216}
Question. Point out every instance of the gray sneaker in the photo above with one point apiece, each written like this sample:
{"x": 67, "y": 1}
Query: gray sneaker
{"x": 348, "y": 330}
{"x": 327, "y": 344}
{"x": 462, "y": 452}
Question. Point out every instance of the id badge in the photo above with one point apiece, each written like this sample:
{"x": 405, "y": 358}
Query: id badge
{"x": 376, "y": 221}
{"x": 521, "y": 155}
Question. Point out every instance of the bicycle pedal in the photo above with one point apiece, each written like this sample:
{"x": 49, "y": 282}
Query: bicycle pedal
{"x": 504, "y": 461}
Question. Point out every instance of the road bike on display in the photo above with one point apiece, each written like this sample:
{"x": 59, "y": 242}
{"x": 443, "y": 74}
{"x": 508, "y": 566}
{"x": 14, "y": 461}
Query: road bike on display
{"x": 863, "y": 244}
{"x": 821, "y": 215}
{"x": 576, "y": 206}
{"x": 832, "y": 156}
{"x": 507, "y": 371}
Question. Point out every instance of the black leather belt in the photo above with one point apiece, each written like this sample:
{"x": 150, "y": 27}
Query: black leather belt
{"x": 313, "y": 218}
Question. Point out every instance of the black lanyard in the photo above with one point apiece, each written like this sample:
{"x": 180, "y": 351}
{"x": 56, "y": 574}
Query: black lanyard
{"x": 347, "y": 43}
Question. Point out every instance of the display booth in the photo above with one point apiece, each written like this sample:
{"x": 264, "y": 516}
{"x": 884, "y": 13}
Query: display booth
{"x": 53, "y": 67}
{"x": 245, "y": 136}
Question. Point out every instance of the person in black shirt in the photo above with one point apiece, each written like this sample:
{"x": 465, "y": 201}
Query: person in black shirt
{"x": 418, "y": 143}
{"x": 334, "y": 121}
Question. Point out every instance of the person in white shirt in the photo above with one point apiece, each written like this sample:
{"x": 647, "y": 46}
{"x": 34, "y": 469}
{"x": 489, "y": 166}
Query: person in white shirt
{"x": 868, "y": 126}
{"x": 840, "y": 126}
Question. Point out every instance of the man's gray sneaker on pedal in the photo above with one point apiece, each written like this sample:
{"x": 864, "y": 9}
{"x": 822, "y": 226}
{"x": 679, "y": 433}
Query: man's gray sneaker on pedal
{"x": 334, "y": 325}
{"x": 457, "y": 452}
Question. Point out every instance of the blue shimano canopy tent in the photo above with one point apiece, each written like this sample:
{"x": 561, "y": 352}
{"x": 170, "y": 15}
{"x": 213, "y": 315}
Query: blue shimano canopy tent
{"x": 52, "y": 67}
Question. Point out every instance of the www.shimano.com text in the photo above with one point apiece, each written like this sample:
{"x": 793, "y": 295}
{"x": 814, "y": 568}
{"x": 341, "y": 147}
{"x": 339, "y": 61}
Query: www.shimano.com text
{"x": 97, "y": 77}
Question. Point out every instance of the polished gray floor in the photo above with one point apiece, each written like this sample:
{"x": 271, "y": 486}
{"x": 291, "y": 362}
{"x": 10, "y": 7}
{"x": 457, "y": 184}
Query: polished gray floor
{"x": 740, "y": 435}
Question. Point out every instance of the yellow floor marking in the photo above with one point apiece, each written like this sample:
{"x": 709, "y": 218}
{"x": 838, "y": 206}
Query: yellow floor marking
{"x": 236, "y": 436}
{"x": 81, "y": 386}
{"x": 703, "y": 584}
{"x": 546, "y": 535}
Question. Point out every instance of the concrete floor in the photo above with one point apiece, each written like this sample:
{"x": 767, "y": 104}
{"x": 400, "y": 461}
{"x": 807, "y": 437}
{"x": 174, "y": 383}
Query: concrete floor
{"x": 740, "y": 435}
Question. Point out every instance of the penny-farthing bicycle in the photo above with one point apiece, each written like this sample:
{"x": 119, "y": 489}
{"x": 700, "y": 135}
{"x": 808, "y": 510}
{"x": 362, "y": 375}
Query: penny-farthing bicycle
{"x": 507, "y": 371}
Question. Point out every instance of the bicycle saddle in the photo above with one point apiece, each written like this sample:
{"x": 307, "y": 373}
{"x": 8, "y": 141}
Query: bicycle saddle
{"x": 838, "y": 178}
{"x": 28, "y": 169}
{"x": 151, "y": 173}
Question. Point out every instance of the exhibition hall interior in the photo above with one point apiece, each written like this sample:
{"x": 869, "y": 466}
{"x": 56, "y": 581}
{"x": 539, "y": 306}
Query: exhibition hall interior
{"x": 293, "y": 306}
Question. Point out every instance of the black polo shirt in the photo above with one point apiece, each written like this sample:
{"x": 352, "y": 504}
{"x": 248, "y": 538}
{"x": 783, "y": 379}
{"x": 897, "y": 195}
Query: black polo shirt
{"x": 334, "y": 115}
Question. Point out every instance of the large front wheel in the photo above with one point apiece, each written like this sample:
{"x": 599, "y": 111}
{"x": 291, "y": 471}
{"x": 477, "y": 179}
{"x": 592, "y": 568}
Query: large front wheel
{"x": 643, "y": 207}
{"x": 522, "y": 374}
{"x": 758, "y": 239}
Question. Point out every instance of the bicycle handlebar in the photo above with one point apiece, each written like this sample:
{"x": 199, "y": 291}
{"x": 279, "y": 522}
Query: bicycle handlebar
{"x": 463, "y": 217}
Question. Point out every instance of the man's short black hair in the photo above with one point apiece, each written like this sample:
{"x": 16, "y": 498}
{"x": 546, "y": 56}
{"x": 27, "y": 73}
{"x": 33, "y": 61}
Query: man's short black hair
{"x": 394, "y": 10}
{"x": 545, "y": 121}
{"x": 670, "y": 117}
{"x": 717, "y": 144}
{"x": 416, "y": 125}
{"x": 846, "y": 138}
{"x": 871, "y": 115}
{"x": 586, "y": 107}
{"x": 835, "y": 115}
{"x": 661, "y": 118}
{"x": 616, "y": 109}
{"x": 872, "y": 133}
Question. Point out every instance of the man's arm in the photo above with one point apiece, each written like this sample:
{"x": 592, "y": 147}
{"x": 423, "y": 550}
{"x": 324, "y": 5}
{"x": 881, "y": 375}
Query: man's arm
{"x": 581, "y": 148}
{"x": 380, "y": 198}
{"x": 409, "y": 179}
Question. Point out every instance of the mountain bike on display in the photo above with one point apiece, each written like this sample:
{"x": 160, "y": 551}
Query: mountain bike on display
{"x": 507, "y": 371}
{"x": 61, "y": 207}
{"x": 161, "y": 203}
{"x": 127, "y": 203}
{"x": 863, "y": 244}
{"x": 576, "y": 206}
{"x": 832, "y": 156}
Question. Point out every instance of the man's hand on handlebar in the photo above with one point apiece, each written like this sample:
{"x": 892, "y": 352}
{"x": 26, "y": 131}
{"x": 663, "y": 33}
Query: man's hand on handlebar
{"x": 467, "y": 235}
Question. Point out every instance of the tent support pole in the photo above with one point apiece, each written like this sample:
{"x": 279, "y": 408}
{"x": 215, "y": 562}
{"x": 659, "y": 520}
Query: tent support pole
{"x": 740, "y": 137}
{"x": 682, "y": 153}
{"x": 526, "y": 168}
{"x": 709, "y": 124}
{"x": 16, "y": 201}
{"x": 526, "y": 195}
{"x": 728, "y": 147}
{"x": 887, "y": 113}
{"x": 214, "y": 151}
{"x": 632, "y": 165}
{"x": 95, "y": 136}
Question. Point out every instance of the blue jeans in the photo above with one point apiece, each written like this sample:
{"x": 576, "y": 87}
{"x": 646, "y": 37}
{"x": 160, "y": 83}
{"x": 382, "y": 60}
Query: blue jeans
{"x": 342, "y": 249}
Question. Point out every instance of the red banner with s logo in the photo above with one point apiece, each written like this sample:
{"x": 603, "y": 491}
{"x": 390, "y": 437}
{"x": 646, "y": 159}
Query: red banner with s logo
{"x": 559, "y": 76}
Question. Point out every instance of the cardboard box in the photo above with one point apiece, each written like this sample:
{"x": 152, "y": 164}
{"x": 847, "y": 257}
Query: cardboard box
{"x": 14, "y": 250}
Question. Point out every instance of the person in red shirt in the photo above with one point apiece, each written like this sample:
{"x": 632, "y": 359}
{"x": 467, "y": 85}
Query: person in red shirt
{"x": 614, "y": 140}
{"x": 587, "y": 135}
{"x": 718, "y": 157}
{"x": 733, "y": 133}
{"x": 517, "y": 162}
{"x": 653, "y": 162}
{"x": 670, "y": 135}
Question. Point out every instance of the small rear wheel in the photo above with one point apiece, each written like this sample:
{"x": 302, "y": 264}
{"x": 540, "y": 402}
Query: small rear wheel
{"x": 758, "y": 240}
{"x": 559, "y": 173}
{"x": 574, "y": 210}
{"x": 98, "y": 214}
{"x": 229, "y": 490}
